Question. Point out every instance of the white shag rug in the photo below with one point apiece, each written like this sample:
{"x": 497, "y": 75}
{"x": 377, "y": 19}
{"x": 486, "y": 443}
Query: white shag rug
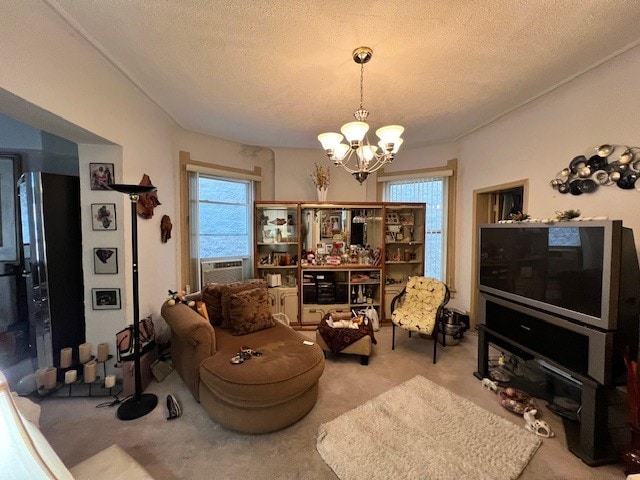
{"x": 420, "y": 430}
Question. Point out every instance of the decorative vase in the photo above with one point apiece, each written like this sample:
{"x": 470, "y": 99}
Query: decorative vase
{"x": 322, "y": 194}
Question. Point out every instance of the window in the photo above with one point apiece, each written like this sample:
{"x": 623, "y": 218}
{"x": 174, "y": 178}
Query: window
{"x": 221, "y": 213}
{"x": 433, "y": 192}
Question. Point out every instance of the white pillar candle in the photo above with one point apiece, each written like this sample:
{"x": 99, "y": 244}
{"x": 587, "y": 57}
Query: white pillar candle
{"x": 50, "y": 379}
{"x": 66, "y": 357}
{"x": 103, "y": 352}
{"x": 40, "y": 377}
{"x": 70, "y": 376}
{"x": 110, "y": 381}
{"x": 90, "y": 372}
{"x": 85, "y": 352}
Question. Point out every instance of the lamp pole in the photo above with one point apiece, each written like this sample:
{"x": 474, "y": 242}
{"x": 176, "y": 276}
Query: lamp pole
{"x": 139, "y": 404}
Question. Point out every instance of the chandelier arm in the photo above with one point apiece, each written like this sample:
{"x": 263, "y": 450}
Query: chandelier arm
{"x": 380, "y": 161}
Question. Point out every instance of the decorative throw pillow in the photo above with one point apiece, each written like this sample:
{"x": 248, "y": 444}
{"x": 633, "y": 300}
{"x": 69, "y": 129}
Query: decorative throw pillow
{"x": 212, "y": 297}
{"x": 250, "y": 311}
{"x": 233, "y": 288}
{"x": 201, "y": 308}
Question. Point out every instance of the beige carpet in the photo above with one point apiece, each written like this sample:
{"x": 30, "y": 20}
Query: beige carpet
{"x": 194, "y": 447}
{"x": 421, "y": 430}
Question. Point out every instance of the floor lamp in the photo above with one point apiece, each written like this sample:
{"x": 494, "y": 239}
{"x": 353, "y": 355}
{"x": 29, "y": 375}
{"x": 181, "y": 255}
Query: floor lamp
{"x": 139, "y": 404}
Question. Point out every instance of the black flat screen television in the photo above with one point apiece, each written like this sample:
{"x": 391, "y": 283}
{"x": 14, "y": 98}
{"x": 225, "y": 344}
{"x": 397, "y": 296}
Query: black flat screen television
{"x": 585, "y": 271}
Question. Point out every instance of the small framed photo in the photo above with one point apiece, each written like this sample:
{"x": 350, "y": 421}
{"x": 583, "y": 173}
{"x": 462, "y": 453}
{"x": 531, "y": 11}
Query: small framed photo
{"x": 100, "y": 175}
{"x": 406, "y": 218}
{"x": 103, "y": 216}
{"x": 320, "y": 249}
{"x": 336, "y": 223}
{"x": 105, "y": 298}
{"x": 105, "y": 260}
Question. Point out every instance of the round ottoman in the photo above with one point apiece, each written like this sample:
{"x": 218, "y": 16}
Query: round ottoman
{"x": 264, "y": 393}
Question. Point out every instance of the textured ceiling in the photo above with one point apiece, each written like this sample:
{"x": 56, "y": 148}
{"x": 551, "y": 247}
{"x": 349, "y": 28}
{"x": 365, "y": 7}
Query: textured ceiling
{"x": 277, "y": 73}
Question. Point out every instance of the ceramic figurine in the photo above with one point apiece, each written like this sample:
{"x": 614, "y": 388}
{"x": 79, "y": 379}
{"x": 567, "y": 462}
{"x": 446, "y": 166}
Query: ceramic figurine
{"x": 490, "y": 384}
{"x": 539, "y": 427}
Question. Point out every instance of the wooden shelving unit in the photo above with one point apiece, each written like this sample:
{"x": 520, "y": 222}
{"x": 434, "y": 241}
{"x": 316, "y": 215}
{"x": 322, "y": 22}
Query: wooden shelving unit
{"x": 349, "y": 241}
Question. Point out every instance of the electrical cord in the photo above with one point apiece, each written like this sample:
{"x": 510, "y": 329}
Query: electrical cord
{"x": 114, "y": 402}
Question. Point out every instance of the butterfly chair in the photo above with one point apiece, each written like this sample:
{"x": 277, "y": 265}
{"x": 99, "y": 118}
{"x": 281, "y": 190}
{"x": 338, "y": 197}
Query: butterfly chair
{"x": 419, "y": 307}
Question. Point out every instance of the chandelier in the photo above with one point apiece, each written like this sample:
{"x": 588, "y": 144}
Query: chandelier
{"x": 357, "y": 156}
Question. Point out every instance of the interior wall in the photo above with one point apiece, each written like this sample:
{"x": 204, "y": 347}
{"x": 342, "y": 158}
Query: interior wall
{"x": 294, "y": 167}
{"x": 100, "y": 325}
{"x": 540, "y": 139}
{"x": 17, "y": 135}
{"x": 56, "y": 78}
{"x": 424, "y": 157}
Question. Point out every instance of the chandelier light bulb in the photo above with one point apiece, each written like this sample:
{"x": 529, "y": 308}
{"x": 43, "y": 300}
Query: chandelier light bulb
{"x": 390, "y": 133}
{"x": 367, "y": 153}
{"x": 340, "y": 151}
{"x": 395, "y": 145}
{"x": 330, "y": 140}
{"x": 354, "y": 132}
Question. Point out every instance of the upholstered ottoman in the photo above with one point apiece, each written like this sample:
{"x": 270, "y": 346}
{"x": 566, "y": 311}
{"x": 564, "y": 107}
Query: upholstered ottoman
{"x": 360, "y": 347}
{"x": 264, "y": 393}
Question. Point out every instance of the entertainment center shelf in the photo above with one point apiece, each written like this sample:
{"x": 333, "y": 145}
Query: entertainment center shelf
{"x": 590, "y": 440}
{"x": 338, "y": 256}
{"x": 567, "y": 295}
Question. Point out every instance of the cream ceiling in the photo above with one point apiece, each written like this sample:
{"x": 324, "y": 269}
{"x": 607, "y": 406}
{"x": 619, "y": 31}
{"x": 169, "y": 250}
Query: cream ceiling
{"x": 277, "y": 73}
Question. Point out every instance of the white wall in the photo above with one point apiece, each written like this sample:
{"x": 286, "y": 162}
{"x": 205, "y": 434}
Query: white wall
{"x": 540, "y": 139}
{"x": 293, "y": 177}
{"x": 424, "y": 157}
{"x": 18, "y": 136}
{"x": 48, "y": 65}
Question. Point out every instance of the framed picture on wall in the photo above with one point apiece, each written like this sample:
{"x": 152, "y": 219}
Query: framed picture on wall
{"x": 105, "y": 298}
{"x": 103, "y": 216}
{"x": 105, "y": 260}
{"x": 101, "y": 175}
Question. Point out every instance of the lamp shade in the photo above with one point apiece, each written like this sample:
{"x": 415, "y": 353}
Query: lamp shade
{"x": 340, "y": 151}
{"x": 131, "y": 189}
{"x": 390, "y": 133}
{"x": 396, "y": 145}
{"x": 355, "y": 131}
{"x": 367, "y": 152}
{"x": 330, "y": 140}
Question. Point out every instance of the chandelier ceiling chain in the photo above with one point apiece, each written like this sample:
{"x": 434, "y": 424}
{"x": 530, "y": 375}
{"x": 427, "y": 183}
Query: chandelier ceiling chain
{"x": 358, "y": 156}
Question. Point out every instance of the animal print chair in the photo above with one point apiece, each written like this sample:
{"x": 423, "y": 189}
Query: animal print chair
{"x": 419, "y": 307}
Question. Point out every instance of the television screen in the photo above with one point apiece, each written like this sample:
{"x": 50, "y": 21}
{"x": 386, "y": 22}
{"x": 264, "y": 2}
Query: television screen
{"x": 561, "y": 266}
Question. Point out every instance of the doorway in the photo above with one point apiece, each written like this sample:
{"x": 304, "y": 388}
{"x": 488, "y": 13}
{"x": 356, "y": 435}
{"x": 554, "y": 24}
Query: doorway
{"x": 490, "y": 205}
{"x": 27, "y": 337}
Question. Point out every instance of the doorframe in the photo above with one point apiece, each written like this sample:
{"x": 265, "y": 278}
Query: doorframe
{"x": 482, "y": 213}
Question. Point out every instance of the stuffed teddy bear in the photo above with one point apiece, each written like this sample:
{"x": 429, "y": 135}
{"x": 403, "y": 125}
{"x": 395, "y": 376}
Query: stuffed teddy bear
{"x": 175, "y": 297}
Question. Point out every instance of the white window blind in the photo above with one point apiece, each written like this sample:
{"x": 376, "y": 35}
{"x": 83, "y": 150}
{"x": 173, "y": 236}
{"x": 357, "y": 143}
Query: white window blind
{"x": 221, "y": 212}
{"x": 433, "y": 192}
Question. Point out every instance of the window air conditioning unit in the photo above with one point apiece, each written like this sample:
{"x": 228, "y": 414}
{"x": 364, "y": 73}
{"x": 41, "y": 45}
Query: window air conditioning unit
{"x": 225, "y": 271}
